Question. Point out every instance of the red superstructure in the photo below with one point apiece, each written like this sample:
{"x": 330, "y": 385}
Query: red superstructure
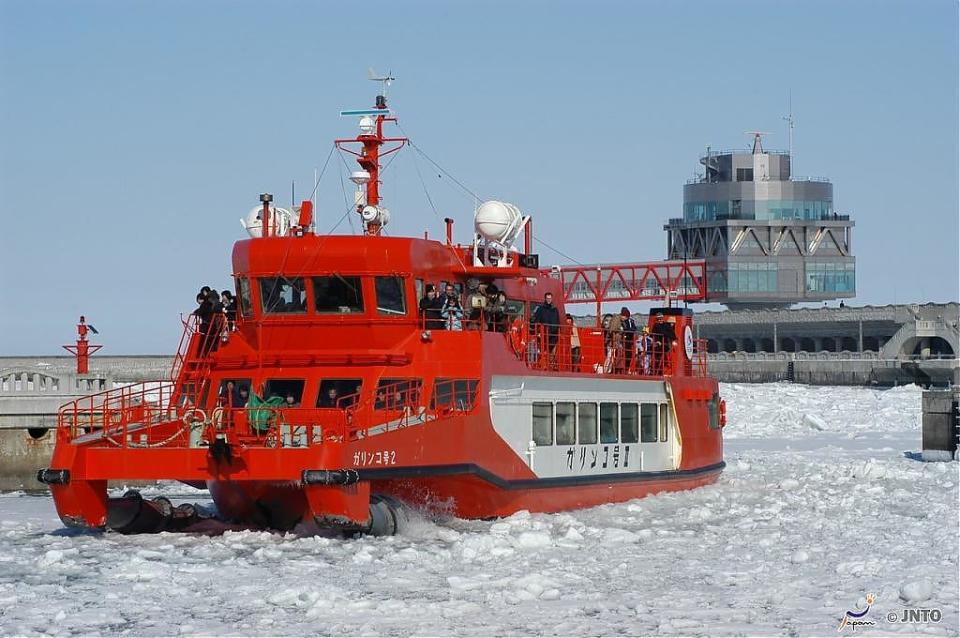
{"x": 357, "y": 401}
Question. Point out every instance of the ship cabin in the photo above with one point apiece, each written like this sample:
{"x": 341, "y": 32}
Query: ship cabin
{"x": 333, "y": 322}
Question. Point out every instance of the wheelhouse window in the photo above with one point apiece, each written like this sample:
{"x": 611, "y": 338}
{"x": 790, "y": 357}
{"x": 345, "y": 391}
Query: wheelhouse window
{"x": 587, "y": 423}
{"x": 390, "y": 297}
{"x": 244, "y": 297}
{"x": 542, "y": 423}
{"x": 338, "y": 393}
{"x": 337, "y": 294}
{"x": 629, "y": 428}
{"x": 397, "y": 394}
{"x": 608, "y": 422}
{"x": 289, "y": 390}
{"x": 280, "y": 295}
{"x": 648, "y": 422}
{"x": 234, "y": 392}
{"x": 454, "y": 394}
{"x": 566, "y": 423}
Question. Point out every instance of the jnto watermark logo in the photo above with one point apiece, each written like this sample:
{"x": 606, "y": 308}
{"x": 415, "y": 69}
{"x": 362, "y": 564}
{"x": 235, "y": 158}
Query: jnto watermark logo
{"x": 857, "y": 617}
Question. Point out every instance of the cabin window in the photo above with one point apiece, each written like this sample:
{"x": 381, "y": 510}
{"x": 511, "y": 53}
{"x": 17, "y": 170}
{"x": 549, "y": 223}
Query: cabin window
{"x": 419, "y": 289}
{"x": 338, "y": 393}
{"x": 454, "y": 394}
{"x": 244, "y": 298}
{"x": 608, "y": 422}
{"x": 587, "y": 423}
{"x": 390, "y": 297}
{"x": 283, "y": 388}
{"x": 397, "y": 394}
{"x": 648, "y": 422}
{"x": 514, "y": 310}
{"x": 281, "y": 295}
{"x": 543, "y": 423}
{"x": 629, "y": 427}
{"x": 566, "y": 423}
{"x": 337, "y": 294}
{"x": 664, "y": 421}
{"x": 230, "y": 388}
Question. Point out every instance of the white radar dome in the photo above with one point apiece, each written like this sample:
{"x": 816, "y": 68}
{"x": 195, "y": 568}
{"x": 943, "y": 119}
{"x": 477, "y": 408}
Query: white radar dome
{"x": 281, "y": 218}
{"x": 497, "y": 221}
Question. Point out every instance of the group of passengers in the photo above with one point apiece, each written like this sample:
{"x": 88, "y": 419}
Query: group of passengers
{"x": 486, "y": 308}
{"x": 217, "y": 314}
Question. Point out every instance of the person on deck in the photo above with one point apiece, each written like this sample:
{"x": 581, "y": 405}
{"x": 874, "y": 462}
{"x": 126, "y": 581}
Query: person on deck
{"x": 329, "y": 400}
{"x": 229, "y": 308}
{"x": 613, "y": 338}
{"x": 204, "y": 314}
{"x": 452, "y": 310}
{"x": 665, "y": 336}
{"x": 430, "y": 307}
{"x": 546, "y": 323}
{"x": 645, "y": 350}
{"x": 628, "y": 328}
{"x": 574, "y": 344}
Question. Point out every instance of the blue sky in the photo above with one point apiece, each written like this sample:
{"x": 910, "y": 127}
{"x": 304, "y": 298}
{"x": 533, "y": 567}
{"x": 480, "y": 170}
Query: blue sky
{"x": 134, "y": 135}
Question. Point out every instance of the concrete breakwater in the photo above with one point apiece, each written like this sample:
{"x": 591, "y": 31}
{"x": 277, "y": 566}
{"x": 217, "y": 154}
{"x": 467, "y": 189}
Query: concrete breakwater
{"x": 31, "y": 391}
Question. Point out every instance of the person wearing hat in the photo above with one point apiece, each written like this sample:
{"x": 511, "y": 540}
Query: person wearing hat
{"x": 430, "y": 307}
{"x": 665, "y": 335}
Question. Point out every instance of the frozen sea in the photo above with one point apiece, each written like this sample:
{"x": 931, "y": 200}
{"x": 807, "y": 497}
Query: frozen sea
{"x": 823, "y": 503}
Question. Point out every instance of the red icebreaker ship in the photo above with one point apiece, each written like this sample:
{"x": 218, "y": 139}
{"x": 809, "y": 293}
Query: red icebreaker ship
{"x": 337, "y": 397}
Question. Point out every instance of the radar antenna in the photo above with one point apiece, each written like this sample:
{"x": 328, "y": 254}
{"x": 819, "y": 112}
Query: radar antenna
{"x": 757, "y": 140}
{"x": 384, "y": 80}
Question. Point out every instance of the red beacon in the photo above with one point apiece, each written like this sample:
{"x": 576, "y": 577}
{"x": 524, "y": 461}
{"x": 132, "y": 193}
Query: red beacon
{"x": 367, "y": 373}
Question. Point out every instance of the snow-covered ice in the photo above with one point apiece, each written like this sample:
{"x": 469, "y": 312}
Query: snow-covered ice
{"x": 823, "y": 502}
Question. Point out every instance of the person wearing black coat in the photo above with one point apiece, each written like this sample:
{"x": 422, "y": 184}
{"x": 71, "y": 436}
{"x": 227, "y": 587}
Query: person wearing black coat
{"x": 229, "y": 308}
{"x": 430, "y": 307}
{"x": 548, "y": 316}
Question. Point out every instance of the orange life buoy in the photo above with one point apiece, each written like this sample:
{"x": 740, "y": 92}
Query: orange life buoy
{"x": 518, "y": 337}
{"x": 723, "y": 413}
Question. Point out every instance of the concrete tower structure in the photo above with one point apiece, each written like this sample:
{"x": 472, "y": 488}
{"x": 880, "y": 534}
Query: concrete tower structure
{"x": 769, "y": 239}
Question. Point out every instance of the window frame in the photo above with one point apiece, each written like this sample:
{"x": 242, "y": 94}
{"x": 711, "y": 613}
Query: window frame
{"x": 647, "y": 407}
{"x": 538, "y": 426}
{"x": 402, "y": 289}
{"x": 244, "y": 302}
{"x": 582, "y": 423}
{"x": 616, "y": 422}
{"x": 353, "y": 310}
{"x": 571, "y": 439}
{"x": 634, "y": 435}
{"x": 281, "y": 278}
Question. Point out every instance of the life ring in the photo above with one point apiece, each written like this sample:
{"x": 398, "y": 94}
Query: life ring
{"x": 518, "y": 337}
{"x": 723, "y": 413}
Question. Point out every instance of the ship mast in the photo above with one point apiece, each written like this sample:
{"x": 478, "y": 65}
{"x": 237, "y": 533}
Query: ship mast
{"x": 370, "y": 139}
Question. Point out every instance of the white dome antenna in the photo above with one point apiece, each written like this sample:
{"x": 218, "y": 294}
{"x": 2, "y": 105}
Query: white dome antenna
{"x": 497, "y": 226}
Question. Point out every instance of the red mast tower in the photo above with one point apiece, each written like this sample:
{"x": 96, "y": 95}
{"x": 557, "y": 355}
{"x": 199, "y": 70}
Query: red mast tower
{"x": 83, "y": 349}
{"x": 371, "y": 138}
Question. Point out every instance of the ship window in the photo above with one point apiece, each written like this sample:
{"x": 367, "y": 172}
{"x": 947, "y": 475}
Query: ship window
{"x": 543, "y": 423}
{"x": 454, "y": 394}
{"x": 337, "y": 295}
{"x": 396, "y": 394}
{"x": 283, "y": 388}
{"x": 566, "y": 423}
{"x": 390, "y": 298}
{"x": 587, "y": 422}
{"x": 243, "y": 294}
{"x": 629, "y": 432}
{"x": 282, "y": 295}
{"x": 514, "y": 310}
{"x": 648, "y": 422}
{"x": 744, "y": 174}
{"x": 338, "y": 393}
{"x": 226, "y": 389}
{"x": 664, "y": 415}
{"x": 608, "y": 422}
